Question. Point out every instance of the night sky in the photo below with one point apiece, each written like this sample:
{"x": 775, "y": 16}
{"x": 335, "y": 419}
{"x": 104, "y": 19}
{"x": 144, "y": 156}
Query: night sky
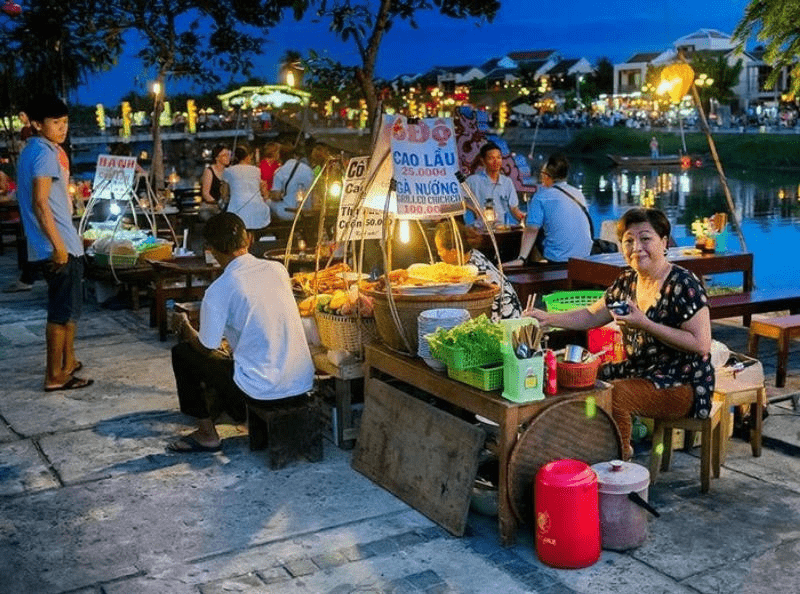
{"x": 581, "y": 28}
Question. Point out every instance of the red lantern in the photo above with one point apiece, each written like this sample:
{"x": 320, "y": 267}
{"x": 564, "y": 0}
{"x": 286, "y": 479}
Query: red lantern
{"x": 12, "y": 9}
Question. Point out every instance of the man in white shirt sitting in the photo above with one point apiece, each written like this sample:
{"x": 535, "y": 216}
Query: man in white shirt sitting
{"x": 252, "y": 306}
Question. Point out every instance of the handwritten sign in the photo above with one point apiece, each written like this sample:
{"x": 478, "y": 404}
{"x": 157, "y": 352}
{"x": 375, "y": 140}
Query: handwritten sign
{"x": 113, "y": 177}
{"x": 425, "y": 162}
{"x": 355, "y": 222}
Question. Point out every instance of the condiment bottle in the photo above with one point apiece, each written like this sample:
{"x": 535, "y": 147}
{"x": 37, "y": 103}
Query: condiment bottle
{"x": 551, "y": 378}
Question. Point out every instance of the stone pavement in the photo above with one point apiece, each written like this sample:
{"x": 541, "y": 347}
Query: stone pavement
{"x": 90, "y": 501}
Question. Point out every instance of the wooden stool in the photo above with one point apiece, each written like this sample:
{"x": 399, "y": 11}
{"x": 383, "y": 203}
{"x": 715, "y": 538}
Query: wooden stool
{"x": 782, "y": 329}
{"x": 755, "y": 396}
{"x": 288, "y": 430}
{"x": 710, "y": 445}
{"x": 192, "y": 311}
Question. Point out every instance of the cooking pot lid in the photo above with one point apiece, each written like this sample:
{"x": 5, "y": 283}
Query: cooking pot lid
{"x": 618, "y": 477}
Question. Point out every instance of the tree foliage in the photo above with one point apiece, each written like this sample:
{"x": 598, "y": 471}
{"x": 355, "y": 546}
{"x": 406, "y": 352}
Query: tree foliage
{"x": 725, "y": 76}
{"x": 52, "y": 47}
{"x": 777, "y": 24}
{"x": 364, "y": 24}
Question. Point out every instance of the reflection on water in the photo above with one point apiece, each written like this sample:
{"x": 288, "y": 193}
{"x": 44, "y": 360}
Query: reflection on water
{"x": 767, "y": 204}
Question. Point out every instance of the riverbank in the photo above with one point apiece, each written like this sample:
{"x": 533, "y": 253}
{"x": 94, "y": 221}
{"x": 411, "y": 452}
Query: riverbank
{"x": 744, "y": 151}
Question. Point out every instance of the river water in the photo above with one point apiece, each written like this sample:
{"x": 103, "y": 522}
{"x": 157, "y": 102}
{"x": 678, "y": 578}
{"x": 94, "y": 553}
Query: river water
{"x": 766, "y": 203}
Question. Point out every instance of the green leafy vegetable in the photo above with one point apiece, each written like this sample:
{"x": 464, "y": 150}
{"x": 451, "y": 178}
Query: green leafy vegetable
{"x": 478, "y": 336}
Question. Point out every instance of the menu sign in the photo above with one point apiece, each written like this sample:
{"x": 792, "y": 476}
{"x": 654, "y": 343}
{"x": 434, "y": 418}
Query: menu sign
{"x": 113, "y": 177}
{"x": 425, "y": 163}
{"x": 355, "y": 222}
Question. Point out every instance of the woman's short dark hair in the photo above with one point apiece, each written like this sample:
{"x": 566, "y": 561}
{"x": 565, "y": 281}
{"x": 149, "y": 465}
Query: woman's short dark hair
{"x": 557, "y": 166}
{"x": 657, "y": 219}
{"x": 445, "y": 236}
{"x": 218, "y": 148}
{"x": 225, "y": 233}
{"x": 489, "y": 146}
{"x": 240, "y": 153}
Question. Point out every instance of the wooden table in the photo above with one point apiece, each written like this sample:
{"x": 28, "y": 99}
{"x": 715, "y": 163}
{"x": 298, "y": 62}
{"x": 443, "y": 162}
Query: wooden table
{"x": 344, "y": 432}
{"x": 603, "y": 269}
{"x": 508, "y": 415}
{"x": 182, "y": 269}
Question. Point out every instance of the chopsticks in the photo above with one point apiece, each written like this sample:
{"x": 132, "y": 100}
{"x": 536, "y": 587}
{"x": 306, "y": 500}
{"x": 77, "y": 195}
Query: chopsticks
{"x": 531, "y": 301}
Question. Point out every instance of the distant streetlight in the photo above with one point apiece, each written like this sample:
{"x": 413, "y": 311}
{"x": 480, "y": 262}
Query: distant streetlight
{"x": 156, "y": 89}
{"x": 290, "y": 78}
{"x": 704, "y": 81}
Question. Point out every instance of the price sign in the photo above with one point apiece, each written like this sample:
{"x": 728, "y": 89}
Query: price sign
{"x": 355, "y": 222}
{"x": 113, "y": 177}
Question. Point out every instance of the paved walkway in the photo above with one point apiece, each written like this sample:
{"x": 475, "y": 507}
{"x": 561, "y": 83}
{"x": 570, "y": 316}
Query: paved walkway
{"x": 91, "y": 502}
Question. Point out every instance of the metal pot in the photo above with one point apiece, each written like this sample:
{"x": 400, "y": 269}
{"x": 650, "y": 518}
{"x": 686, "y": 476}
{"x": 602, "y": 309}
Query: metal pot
{"x": 622, "y": 488}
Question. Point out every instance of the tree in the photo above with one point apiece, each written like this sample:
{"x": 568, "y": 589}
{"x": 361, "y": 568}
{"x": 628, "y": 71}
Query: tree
{"x": 51, "y": 47}
{"x": 191, "y": 39}
{"x": 358, "y": 21}
{"x": 777, "y": 24}
{"x": 725, "y": 76}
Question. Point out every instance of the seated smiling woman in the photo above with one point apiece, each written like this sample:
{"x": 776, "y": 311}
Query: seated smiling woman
{"x": 666, "y": 331}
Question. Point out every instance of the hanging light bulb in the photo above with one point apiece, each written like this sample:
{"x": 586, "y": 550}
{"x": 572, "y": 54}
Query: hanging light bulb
{"x": 335, "y": 189}
{"x": 404, "y": 231}
{"x": 114, "y": 208}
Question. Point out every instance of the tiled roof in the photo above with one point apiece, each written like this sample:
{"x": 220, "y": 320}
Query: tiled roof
{"x": 643, "y": 57}
{"x": 526, "y": 56}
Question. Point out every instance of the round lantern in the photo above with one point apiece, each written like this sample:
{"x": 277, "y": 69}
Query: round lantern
{"x": 676, "y": 80}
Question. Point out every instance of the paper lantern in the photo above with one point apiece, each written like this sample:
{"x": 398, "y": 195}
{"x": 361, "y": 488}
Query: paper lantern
{"x": 676, "y": 80}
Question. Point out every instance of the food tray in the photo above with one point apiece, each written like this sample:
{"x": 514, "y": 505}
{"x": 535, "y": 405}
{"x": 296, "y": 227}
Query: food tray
{"x": 485, "y": 378}
{"x": 461, "y": 359}
{"x": 119, "y": 260}
{"x": 569, "y": 300}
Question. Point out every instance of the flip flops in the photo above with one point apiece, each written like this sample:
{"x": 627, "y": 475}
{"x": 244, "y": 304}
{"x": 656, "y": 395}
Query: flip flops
{"x": 188, "y": 444}
{"x": 77, "y": 368}
{"x": 73, "y": 383}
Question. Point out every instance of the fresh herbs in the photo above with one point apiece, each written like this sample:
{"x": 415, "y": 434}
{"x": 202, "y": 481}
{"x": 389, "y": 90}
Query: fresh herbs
{"x": 478, "y": 336}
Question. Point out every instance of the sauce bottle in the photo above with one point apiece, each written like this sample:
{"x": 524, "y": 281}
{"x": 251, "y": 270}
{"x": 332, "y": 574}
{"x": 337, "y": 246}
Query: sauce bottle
{"x": 551, "y": 377}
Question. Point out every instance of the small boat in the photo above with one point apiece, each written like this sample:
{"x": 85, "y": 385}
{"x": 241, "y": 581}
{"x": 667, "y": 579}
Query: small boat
{"x": 663, "y": 161}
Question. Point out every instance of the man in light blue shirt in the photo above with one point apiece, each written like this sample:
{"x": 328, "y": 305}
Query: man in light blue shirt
{"x": 491, "y": 186}
{"x": 291, "y": 183}
{"x": 557, "y": 209}
{"x": 53, "y": 242}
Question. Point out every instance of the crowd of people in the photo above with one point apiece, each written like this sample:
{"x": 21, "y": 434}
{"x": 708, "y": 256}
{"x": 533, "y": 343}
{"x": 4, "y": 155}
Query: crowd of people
{"x": 251, "y": 346}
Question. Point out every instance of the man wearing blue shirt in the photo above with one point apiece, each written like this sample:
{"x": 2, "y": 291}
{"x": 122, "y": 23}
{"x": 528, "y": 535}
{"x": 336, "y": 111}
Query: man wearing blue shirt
{"x": 491, "y": 186}
{"x": 556, "y": 209}
{"x": 53, "y": 242}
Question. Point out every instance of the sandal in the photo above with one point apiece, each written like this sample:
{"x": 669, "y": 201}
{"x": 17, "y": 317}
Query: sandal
{"x": 73, "y": 383}
{"x": 189, "y": 444}
{"x": 77, "y": 368}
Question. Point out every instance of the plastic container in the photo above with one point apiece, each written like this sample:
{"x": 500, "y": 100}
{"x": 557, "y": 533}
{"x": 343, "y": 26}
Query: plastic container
{"x": 623, "y": 523}
{"x": 565, "y": 502}
{"x": 569, "y": 300}
{"x": 485, "y": 378}
{"x": 523, "y": 379}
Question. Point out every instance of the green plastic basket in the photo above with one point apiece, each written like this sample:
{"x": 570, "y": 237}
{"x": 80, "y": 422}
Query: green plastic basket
{"x": 569, "y": 300}
{"x": 486, "y": 378}
{"x": 461, "y": 359}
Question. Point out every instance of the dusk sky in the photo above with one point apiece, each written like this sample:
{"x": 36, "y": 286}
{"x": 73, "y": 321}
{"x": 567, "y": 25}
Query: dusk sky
{"x": 578, "y": 28}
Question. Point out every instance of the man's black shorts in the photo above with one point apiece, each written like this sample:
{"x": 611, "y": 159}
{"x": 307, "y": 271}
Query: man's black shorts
{"x": 64, "y": 290}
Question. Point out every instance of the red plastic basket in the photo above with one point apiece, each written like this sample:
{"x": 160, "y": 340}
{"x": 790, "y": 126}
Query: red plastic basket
{"x": 577, "y": 375}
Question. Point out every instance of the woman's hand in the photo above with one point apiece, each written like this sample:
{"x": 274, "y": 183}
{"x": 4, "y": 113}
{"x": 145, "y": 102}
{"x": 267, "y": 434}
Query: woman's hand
{"x": 537, "y": 314}
{"x": 635, "y": 317}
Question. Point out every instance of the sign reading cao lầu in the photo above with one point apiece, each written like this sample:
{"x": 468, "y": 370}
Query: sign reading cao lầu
{"x": 425, "y": 162}
{"x": 354, "y": 221}
{"x": 113, "y": 177}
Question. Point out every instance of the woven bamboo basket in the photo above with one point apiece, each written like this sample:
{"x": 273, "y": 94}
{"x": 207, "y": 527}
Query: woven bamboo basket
{"x": 476, "y": 301}
{"x": 345, "y": 333}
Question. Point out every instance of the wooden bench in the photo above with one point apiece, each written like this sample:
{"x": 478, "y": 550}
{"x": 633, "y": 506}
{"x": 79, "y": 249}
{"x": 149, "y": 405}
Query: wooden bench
{"x": 288, "y": 430}
{"x": 530, "y": 280}
{"x": 782, "y": 329}
{"x": 754, "y": 302}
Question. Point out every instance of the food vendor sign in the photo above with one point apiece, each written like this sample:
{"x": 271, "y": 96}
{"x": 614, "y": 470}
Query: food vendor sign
{"x": 113, "y": 177}
{"x": 425, "y": 162}
{"x": 355, "y": 222}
